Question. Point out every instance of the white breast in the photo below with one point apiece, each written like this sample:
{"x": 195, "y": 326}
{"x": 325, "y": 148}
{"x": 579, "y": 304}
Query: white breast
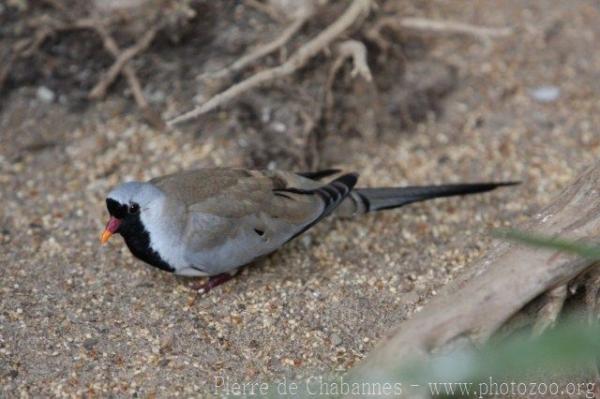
{"x": 165, "y": 230}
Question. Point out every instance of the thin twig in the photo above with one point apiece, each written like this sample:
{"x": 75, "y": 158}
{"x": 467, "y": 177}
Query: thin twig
{"x": 347, "y": 49}
{"x": 358, "y": 52}
{"x": 295, "y": 62}
{"x": 336, "y": 65}
{"x": 39, "y": 37}
{"x": 547, "y": 315}
{"x": 310, "y": 155}
{"x": 99, "y": 91}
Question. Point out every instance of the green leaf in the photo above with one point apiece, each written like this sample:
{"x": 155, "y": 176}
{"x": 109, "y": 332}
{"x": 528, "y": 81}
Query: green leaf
{"x": 559, "y": 244}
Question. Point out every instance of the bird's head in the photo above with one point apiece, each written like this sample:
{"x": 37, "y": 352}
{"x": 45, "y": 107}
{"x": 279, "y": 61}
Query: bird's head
{"x": 126, "y": 203}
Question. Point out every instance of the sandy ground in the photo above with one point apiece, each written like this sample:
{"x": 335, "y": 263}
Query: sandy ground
{"x": 76, "y": 319}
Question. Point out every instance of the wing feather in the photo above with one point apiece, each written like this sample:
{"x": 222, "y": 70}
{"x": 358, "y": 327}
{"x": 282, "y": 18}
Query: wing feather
{"x": 251, "y": 214}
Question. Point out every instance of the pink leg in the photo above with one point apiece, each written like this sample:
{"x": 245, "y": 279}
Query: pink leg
{"x": 213, "y": 281}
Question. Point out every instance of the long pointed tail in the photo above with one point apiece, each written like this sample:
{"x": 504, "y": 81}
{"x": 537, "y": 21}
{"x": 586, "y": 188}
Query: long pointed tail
{"x": 377, "y": 199}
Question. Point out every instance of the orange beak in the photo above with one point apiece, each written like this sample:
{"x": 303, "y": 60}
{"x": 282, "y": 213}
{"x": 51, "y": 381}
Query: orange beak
{"x": 111, "y": 228}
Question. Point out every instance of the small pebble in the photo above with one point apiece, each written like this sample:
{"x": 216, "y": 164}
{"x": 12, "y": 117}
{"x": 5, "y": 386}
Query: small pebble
{"x": 545, "y": 94}
{"x": 306, "y": 241}
{"x": 278, "y": 127}
{"x": 335, "y": 339}
{"x": 45, "y": 94}
{"x": 90, "y": 343}
{"x": 157, "y": 97}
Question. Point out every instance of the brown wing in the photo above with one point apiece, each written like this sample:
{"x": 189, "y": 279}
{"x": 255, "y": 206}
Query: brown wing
{"x": 194, "y": 186}
{"x": 254, "y": 214}
{"x": 235, "y": 193}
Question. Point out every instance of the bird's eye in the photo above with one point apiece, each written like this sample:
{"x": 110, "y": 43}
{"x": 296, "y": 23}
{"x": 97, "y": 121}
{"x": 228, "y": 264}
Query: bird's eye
{"x": 133, "y": 209}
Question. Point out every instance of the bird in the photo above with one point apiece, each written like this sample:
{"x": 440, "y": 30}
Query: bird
{"x": 212, "y": 221}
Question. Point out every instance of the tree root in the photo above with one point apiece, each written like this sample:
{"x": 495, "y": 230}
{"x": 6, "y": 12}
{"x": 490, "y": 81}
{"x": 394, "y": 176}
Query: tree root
{"x": 358, "y": 53}
{"x": 311, "y": 151}
{"x": 357, "y": 9}
{"x": 592, "y": 302}
{"x": 151, "y": 116}
{"x": 49, "y": 26}
{"x": 349, "y": 49}
{"x": 266, "y": 9}
{"x": 592, "y": 294}
{"x": 395, "y": 23}
{"x": 451, "y": 27}
{"x": 122, "y": 58}
{"x": 547, "y": 315}
{"x": 261, "y": 51}
{"x": 44, "y": 28}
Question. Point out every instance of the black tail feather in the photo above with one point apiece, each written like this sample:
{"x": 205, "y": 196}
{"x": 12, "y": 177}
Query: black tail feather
{"x": 376, "y": 199}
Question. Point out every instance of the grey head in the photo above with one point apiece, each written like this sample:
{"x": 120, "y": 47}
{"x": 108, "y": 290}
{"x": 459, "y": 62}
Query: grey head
{"x": 135, "y": 210}
{"x": 128, "y": 203}
{"x": 132, "y": 198}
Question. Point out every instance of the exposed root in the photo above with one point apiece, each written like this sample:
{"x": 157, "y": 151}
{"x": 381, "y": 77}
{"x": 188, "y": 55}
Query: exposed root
{"x": 451, "y": 27}
{"x": 374, "y": 33}
{"x": 358, "y": 52}
{"x": 555, "y": 298}
{"x": 261, "y": 51}
{"x": 266, "y": 9}
{"x": 348, "y": 49}
{"x": 44, "y": 28}
{"x": 592, "y": 294}
{"x": 547, "y": 315}
{"x": 482, "y": 33}
{"x": 311, "y": 155}
{"x": 357, "y": 9}
{"x": 112, "y": 47}
{"x": 592, "y": 303}
{"x": 99, "y": 91}
{"x": 49, "y": 26}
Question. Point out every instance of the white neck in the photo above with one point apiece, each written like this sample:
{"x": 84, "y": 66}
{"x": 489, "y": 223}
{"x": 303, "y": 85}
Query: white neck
{"x": 165, "y": 224}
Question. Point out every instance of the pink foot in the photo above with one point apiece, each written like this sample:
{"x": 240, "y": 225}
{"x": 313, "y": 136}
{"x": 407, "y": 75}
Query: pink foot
{"x": 213, "y": 281}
